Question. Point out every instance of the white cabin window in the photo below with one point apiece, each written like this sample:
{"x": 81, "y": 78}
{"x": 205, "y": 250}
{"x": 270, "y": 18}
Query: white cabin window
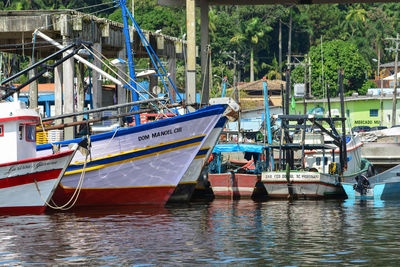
{"x": 1, "y": 130}
{"x": 21, "y": 131}
{"x": 30, "y": 133}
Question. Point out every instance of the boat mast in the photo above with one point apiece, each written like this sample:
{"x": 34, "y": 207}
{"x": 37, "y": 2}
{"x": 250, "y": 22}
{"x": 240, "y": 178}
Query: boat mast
{"x": 343, "y": 149}
{"x": 267, "y": 124}
{"x": 122, "y": 4}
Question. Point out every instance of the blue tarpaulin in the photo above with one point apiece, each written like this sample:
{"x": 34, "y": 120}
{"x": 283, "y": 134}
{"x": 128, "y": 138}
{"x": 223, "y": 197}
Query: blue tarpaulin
{"x": 220, "y": 148}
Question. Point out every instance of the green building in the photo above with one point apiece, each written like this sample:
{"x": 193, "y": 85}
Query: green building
{"x": 359, "y": 110}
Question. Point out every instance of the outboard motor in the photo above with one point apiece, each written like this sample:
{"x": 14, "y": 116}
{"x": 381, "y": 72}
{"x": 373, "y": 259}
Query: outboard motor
{"x": 362, "y": 184}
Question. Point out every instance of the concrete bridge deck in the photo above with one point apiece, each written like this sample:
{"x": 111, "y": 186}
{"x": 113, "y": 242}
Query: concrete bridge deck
{"x": 17, "y": 27}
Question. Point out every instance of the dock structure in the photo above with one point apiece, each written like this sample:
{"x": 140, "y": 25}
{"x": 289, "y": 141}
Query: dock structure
{"x": 17, "y": 37}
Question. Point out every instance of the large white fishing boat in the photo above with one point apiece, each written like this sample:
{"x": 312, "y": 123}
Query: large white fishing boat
{"x": 27, "y": 182}
{"x": 136, "y": 165}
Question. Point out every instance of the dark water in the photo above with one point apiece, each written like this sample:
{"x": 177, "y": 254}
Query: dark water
{"x": 222, "y": 232}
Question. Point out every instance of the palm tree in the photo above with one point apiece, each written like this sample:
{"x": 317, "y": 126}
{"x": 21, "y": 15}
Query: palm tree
{"x": 273, "y": 71}
{"x": 355, "y": 19}
{"x": 253, "y": 31}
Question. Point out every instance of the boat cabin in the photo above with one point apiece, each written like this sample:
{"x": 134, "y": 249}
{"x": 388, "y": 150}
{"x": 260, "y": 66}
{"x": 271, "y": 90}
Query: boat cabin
{"x": 17, "y": 131}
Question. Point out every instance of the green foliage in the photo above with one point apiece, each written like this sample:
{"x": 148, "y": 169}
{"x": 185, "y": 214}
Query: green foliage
{"x": 335, "y": 55}
{"x": 352, "y": 34}
{"x": 367, "y": 85}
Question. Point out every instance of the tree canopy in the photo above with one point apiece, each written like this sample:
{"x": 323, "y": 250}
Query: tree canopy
{"x": 326, "y": 60}
{"x": 352, "y": 34}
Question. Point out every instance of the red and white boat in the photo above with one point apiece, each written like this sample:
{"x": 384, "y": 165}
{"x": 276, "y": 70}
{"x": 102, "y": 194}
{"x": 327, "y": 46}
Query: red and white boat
{"x": 236, "y": 183}
{"x": 27, "y": 182}
{"x": 320, "y": 178}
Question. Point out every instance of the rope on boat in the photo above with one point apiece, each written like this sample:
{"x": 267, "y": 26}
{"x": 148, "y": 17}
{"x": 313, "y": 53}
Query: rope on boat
{"x": 76, "y": 192}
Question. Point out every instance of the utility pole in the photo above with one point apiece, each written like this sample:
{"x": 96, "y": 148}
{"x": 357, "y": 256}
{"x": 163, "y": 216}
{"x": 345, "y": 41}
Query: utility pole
{"x": 280, "y": 48}
{"x": 305, "y": 85}
{"x": 309, "y": 78}
{"x": 232, "y": 55}
{"x": 234, "y": 61}
{"x": 290, "y": 40}
{"x": 378, "y": 76}
{"x": 396, "y": 40}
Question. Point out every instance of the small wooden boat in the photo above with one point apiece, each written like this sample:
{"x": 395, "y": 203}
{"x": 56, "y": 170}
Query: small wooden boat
{"x": 235, "y": 181}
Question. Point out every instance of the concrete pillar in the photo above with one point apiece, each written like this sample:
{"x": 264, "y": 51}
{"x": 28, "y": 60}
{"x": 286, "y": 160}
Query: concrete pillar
{"x": 96, "y": 82}
{"x": 172, "y": 71}
{"x": 205, "y": 42}
{"x": 33, "y": 88}
{"x": 68, "y": 92}
{"x": 121, "y": 70}
{"x": 58, "y": 91}
{"x": 191, "y": 51}
{"x": 153, "y": 81}
{"x": 80, "y": 90}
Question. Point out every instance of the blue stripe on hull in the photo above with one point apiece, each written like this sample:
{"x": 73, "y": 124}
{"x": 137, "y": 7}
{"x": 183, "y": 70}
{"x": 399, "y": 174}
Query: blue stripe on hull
{"x": 201, "y": 113}
{"x": 135, "y": 154}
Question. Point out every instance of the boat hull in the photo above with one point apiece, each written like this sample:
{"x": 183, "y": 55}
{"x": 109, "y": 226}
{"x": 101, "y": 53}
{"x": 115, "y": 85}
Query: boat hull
{"x": 383, "y": 186}
{"x": 302, "y": 185}
{"x": 187, "y": 184}
{"x": 26, "y": 185}
{"x": 233, "y": 185}
{"x": 155, "y": 196}
{"x": 147, "y": 160}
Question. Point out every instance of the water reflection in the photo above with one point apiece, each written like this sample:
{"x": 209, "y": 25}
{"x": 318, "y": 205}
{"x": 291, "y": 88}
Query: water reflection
{"x": 220, "y": 232}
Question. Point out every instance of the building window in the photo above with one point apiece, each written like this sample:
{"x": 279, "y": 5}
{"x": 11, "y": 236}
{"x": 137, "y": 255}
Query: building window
{"x": 373, "y": 113}
{"x": 1, "y": 130}
{"x": 30, "y": 133}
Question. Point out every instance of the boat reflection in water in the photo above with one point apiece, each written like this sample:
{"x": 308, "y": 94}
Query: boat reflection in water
{"x": 220, "y": 232}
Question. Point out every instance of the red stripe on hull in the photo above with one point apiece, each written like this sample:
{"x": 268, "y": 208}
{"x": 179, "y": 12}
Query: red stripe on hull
{"x": 120, "y": 196}
{"x": 34, "y": 118}
{"x": 247, "y": 181}
{"x": 22, "y": 210}
{"x": 233, "y": 185}
{"x": 29, "y": 178}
